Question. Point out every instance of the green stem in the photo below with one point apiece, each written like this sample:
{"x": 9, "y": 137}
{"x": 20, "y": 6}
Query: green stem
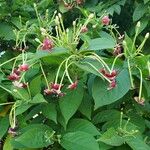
{"x": 9, "y": 103}
{"x": 8, "y": 61}
{"x": 141, "y": 83}
{"x": 115, "y": 61}
{"x": 97, "y": 71}
{"x": 44, "y": 76}
{"x": 57, "y": 74}
{"x": 130, "y": 74}
{"x": 5, "y": 89}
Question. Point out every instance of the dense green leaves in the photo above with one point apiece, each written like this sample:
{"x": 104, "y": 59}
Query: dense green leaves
{"x": 101, "y": 43}
{"x": 79, "y": 140}
{"x": 70, "y": 102}
{"x": 4, "y": 124}
{"x": 102, "y": 96}
{"x": 35, "y": 136}
{"x": 82, "y": 125}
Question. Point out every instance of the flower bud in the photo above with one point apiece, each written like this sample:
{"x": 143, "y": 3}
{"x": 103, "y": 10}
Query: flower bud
{"x": 91, "y": 16}
{"x": 147, "y": 35}
{"x": 138, "y": 24}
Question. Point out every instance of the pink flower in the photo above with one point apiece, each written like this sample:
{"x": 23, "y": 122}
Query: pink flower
{"x": 105, "y": 20}
{"x": 84, "y": 29}
{"x": 79, "y": 2}
{"x": 13, "y": 77}
{"x": 54, "y": 92}
{"x": 56, "y": 86}
{"x": 47, "y": 44}
{"x": 112, "y": 85}
{"x": 20, "y": 85}
{"x": 139, "y": 101}
{"x": 16, "y": 71}
{"x": 73, "y": 85}
{"x": 24, "y": 67}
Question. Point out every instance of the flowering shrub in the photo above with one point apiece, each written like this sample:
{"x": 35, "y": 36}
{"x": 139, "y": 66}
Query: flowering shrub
{"x": 71, "y": 79}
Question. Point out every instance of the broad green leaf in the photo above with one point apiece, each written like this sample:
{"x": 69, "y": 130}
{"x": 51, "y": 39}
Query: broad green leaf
{"x": 35, "y": 85}
{"x": 54, "y": 52}
{"x": 137, "y": 143}
{"x": 38, "y": 99}
{"x": 7, "y": 143}
{"x": 35, "y": 136}
{"x": 4, "y": 124}
{"x": 49, "y": 111}
{"x": 71, "y": 102}
{"x": 79, "y": 141}
{"x": 6, "y": 31}
{"x": 86, "y": 106}
{"x": 106, "y": 115}
{"x": 111, "y": 137}
{"x": 139, "y": 11}
{"x": 101, "y": 43}
{"x": 82, "y": 125}
{"x": 22, "y": 108}
{"x": 102, "y": 96}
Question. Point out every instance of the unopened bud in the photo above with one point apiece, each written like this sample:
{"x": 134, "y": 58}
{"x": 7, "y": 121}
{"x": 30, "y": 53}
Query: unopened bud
{"x": 74, "y": 23}
{"x": 59, "y": 15}
{"x": 124, "y": 43}
{"x": 138, "y": 24}
{"x": 37, "y": 40}
{"x": 94, "y": 26}
{"x": 147, "y": 35}
{"x": 43, "y": 31}
{"x": 67, "y": 30}
{"x": 91, "y": 16}
{"x": 57, "y": 20}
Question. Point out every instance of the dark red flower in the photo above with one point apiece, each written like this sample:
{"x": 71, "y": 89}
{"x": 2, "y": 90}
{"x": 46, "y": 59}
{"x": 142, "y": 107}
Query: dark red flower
{"x": 16, "y": 71}
{"x": 48, "y": 91}
{"x": 117, "y": 50}
{"x": 56, "y": 86}
{"x": 105, "y": 20}
{"x": 84, "y": 29}
{"x": 13, "y": 77}
{"x": 47, "y": 44}
{"x": 24, "y": 67}
{"x": 12, "y": 131}
{"x": 112, "y": 85}
{"x": 73, "y": 85}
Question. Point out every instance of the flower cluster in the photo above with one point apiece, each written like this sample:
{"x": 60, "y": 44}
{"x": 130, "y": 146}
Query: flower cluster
{"x": 16, "y": 74}
{"x": 55, "y": 89}
{"x": 111, "y": 76}
{"x": 47, "y": 44}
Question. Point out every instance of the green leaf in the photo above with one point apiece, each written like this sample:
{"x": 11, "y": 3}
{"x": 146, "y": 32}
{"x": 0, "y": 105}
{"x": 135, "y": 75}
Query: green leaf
{"x": 34, "y": 136}
{"x": 38, "y": 99}
{"x": 106, "y": 115}
{"x": 71, "y": 102}
{"x": 49, "y": 111}
{"x": 79, "y": 141}
{"x": 55, "y": 52}
{"x": 6, "y": 32}
{"x": 7, "y": 144}
{"x": 137, "y": 143}
{"x": 4, "y": 124}
{"x": 82, "y": 125}
{"x": 35, "y": 85}
{"x": 139, "y": 11}
{"x": 101, "y": 43}
{"x": 111, "y": 137}
{"x": 102, "y": 96}
{"x": 86, "y": 106}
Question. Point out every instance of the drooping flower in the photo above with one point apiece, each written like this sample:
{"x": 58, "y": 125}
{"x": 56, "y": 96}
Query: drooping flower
{"x": 47, "y": 44}
{"x": 19, "y": 84}
{"x": 112, "y": 85}
{"x": 139, "y": 101}
{"x": 105, "y": 20}
{"x": 24, "y": 67}
{"x": 73, "y": 85}
{"x": 55, "y": 86}
{"x": 12, "y": 131}
{"x": 84, "y": 29}
{"x": 13, "y": 77}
